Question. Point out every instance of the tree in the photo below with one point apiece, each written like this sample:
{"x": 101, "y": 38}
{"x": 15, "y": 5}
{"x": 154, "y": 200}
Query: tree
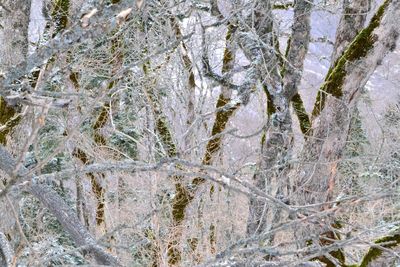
{"x": 179, "y": 133}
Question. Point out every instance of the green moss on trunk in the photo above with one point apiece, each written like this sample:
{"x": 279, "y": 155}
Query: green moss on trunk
{"x": 102, "y": 118}
{"x": 180, "y": 202}
{"x": 219, "y": 126}
{"x": 213, "y": 239}
{"x": 304, "y": 120}
{"x": 97, "y": 189}
{"x": 270, "y": 102}
{"x": 166, "y": 137}
{"x": 228, "y": 53}
{"x": 358, "y": 49}
{"x": 281, "y": 61}
{"x": 174, "y": 254}
{"x": 282, "y": 6}
{"x": 375, "y": 252}
{"x": 8, "y": 118}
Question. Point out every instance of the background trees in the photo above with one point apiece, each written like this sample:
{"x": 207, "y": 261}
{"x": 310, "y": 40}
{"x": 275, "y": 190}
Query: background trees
{"x": 153, "y": 133}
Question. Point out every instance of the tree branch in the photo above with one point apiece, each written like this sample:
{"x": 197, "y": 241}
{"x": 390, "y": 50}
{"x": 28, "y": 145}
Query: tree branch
{"x": 57, "y": 206}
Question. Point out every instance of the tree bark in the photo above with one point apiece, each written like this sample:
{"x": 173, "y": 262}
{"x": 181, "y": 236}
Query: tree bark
{"x": 352, "y": 21}
{"x": 263, "y": 24}
{"x": 278, "y": 143}
{"x": 316, "y": 178}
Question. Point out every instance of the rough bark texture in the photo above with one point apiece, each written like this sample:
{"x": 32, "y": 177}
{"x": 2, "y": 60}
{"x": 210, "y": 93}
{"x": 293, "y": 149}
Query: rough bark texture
{"x": 296, "y": 53}
{"x": 57, "y": 206}
{"x": 352, "y": 21}
{"x": 297, "y": 48}
{"x": 276, "y": 147}
{"x": 316, "y": 180}
{"x": 271, "y": 80}
{"x": 361, "y": 45}
{"x": 330, "y": 130}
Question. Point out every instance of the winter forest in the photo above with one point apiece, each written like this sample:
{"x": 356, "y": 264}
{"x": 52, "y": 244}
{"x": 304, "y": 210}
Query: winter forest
{"x": 200, "y": 133}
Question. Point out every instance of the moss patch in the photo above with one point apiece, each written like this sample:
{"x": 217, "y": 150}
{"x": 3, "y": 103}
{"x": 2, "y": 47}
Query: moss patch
{"x": 305, "y": 122}
{"x": 327, "y": 239}
{"x": 376, "y": 252}
{"x": 60, "y": 15}
{"x": 219, "y": 126}
{"x": 8, "y": 118}
{"x": 97, "y": 189}
{"x": 166, "y": 137}
{"x": 282, "y": 6}
{"x": 102, "y": 118}
{"x": 270, "y": 102}
{"x": 180, "y": 201}
{"x": 213, "y": 238}
{"x": 361, "y": 45}
{"x": 282, "y": 62}
{"x": 228, "y": 54}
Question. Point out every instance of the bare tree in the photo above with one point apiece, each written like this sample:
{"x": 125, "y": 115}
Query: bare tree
{"x": 209, "y": 133}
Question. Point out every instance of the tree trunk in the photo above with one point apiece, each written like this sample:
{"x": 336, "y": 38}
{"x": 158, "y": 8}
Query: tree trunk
{"x": 352, "y": 21}
{"x": 316, "y": 178}
{"x": 278, "y": 143}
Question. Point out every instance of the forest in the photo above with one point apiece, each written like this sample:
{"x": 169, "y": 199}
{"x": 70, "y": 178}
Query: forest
{"x": 200, "y": 133}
